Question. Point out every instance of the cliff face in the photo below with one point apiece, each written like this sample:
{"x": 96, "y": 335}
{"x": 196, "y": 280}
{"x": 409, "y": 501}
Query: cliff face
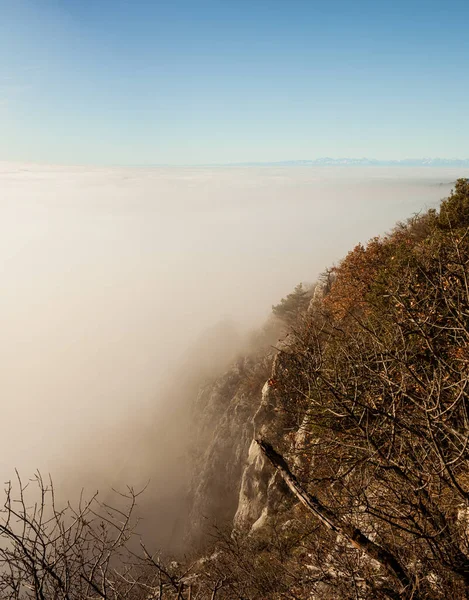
{"x": 223, "y": 432}
{"x": 232, "y": 484}
{"x": 261, "y": 491}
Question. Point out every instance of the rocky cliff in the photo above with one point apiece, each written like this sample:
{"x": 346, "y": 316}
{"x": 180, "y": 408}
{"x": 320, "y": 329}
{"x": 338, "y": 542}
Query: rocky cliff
{"x": 232, "y": 485}
{"x": 223, "y": 433}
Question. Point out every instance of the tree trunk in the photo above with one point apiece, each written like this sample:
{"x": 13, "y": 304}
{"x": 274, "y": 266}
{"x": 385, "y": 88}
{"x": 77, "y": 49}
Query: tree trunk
{"x": 334, "y": 523}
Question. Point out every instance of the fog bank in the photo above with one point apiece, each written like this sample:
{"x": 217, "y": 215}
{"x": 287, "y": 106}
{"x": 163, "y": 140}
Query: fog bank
{"x": 110, "y": 275}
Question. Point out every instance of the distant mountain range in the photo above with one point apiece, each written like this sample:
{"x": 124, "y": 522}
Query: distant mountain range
{"x": 364, "y": 162}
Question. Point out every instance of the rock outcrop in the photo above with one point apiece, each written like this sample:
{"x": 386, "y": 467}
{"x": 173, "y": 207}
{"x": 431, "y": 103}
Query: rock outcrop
{"x": 224, "y": 430}
{"x": 233, "y": 486}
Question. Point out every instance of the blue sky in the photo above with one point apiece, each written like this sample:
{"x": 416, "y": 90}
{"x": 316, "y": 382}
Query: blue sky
{"x": 190, "y": 82}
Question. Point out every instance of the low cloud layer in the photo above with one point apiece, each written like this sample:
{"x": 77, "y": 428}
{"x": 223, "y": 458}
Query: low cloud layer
{"x": 109, "y": 276}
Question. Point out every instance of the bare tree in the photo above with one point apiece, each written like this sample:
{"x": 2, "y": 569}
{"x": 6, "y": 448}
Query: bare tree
{"x": 376, "y": 381}
{"x": 91, "y": 551}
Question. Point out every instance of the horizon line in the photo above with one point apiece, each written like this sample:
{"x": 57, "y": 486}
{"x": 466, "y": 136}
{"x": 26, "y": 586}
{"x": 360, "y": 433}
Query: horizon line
{"x": 324, "y": 161}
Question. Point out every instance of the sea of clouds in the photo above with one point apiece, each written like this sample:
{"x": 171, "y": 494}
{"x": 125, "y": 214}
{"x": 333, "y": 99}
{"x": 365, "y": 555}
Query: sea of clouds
{"x": 109, "y": 275}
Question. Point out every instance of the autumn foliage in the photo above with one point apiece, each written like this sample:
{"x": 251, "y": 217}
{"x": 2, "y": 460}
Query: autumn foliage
{"x": 376, "y": 384}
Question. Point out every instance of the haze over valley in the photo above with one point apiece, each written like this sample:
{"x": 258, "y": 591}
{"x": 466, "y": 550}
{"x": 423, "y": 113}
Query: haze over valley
{"x": 110, "y": 276}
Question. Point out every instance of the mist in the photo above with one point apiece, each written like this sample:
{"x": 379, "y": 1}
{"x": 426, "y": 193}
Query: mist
{"x": 110, "y": 276}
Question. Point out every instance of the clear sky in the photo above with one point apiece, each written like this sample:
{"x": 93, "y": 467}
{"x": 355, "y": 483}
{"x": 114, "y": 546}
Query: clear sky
{"x": 219, "y": 81}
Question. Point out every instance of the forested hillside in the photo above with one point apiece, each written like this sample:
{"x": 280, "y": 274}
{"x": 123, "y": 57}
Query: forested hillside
{"x": 365, "y": 419}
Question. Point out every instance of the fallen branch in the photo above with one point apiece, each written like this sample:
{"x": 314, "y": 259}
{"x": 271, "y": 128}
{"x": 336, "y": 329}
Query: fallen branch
{"x": 336, "y": 524}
